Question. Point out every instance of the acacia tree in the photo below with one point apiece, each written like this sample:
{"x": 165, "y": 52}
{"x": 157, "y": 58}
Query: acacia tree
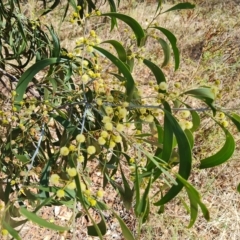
{"x": 71, "y": 110}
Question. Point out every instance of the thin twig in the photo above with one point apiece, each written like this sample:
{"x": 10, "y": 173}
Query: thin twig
{"x": 36, "y": 151}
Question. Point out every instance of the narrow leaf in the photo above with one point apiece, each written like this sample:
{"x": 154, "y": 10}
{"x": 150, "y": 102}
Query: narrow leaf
{"x": 119, "y": 48}
{"x": 101, "y": 225}
{"x": 223, "y": 154}
{"x": 131, "y": 22}
{"x": 173, "y": 41}
{"x": 181, "y": 6}
{"x": 185, "y": 159}
{"x": 125, "y": 230}
{"x": 41, "y": 222}
{"x": 166, "y": 51}
{"x": 28, "y": 75}
{"x": 155, "y": 70}
{"x": 11, "y": 230}
{"x": 130, "y": 85}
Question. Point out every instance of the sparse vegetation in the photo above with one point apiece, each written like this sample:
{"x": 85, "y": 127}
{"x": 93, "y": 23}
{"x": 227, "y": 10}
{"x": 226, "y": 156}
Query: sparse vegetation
{"x": 100, "y": 123}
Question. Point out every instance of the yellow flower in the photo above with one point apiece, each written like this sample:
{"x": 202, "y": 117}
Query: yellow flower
{"x": 64, "y": 151}
{"x": 92, "y": 202}
{"x": 80, "y": 158}
{"x": 99, "y": 101}
{"x": 54, "y": 179}
{"x": 182, "y": 124}
{"x": 177, "y": 85}
{"x": 120, "y": 127}
{"x": 14, "y": 93}
{"x": 104, "y": 134}
{"x": 87, "y": 192}
{"x": 83, "y": 187}
{"x": 80, "y": 138}
{"x": 110, "y": 98}
{"x": 122, "y": 113}
{"x": 220, "y": 115}
{"x": 108, "y": 126}
{"x": 13, "y": 182}
{"x": 72, "y": 148}
{"x": 163, "y": 86}
{"x": 4, "y": 232}
{"x": 224, "y": 123}
{"x": 185, "y": 114}
{"x": 85, "y": 63}
{"x": 106, "y": 119}
{"x": 118, "y": 139}
{"x": 72, "y": 172}
{"x": 79, "y": 7}
{"x": 93, "y": 33}
{"x": 60, "y": 193}
{"x": 132, "y": 160}
{"x": 2, "y": 205}
{"x": 109, "y": 110}
{"x": 188, "y": 125}
{"x": 149, "y": 118}
{"x": 71, "y": 185}
{"x": 89, "y": 49}
{"x": 91, "y": 150}
{"x": 100, "y": 193}
{"x": 101, "y": 141}
{"x": 125, "y": 104}
{"x": 85, "y": 78}
{"x": 112, "y": 144}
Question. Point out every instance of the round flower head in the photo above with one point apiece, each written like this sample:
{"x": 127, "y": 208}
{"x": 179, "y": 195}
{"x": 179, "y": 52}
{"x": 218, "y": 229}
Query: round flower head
{"x": 224, "y": 123}
{"x": 112, "y": 144}
{"x": 54, "y": 179}
{"x": 72, "y": 148}
{"x": 120, "y": 127}
{"x": 163, "y": 86}
{"x": 71, "y": 185}
{"x": 85, "y": 78}
{"x": 4, "y": 232}
{"x": 100, "y": 193}
{"x": 64, "y": 151}
{"x": 85, "y": 63}
{"x": 83, "y": 187}
{"x": 101, "y": 141}
{"x": 104, "y": 134}
{"x": 80, "y": 158}
{"x": 89, "y": 49}
{"x": 109, "y": 110}
{"x": 122, "y": 113}
{"x": 185, "y": 114}
{"x": 99, "y": 102}
{"x": 60, "y": 193}
{"x": 188, "y": 125}
{"x": 92, "y": 202}
{"x": 91, "y": 150}
{"x": 72, "y": 172}
{"x": 80, "y": 138}
{"x": 149, "y": 118}
{"x": 108, "y": 126}
{"x": 106, "y": 119}
{"x": 118, "y": 139}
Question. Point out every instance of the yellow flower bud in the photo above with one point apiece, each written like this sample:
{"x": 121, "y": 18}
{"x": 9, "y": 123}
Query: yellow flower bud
{"x": 72, "y": 172}
{"x": 54, "y": 179}
{"x": 91, "y": 150}
{"x": 60, "y": 193}
{"x": 64, "y": 151}
{"x": 80, "y": 138}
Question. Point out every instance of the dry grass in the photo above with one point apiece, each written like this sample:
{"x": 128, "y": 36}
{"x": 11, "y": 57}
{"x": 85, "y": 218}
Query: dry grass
{"x": 209, "y": 41}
